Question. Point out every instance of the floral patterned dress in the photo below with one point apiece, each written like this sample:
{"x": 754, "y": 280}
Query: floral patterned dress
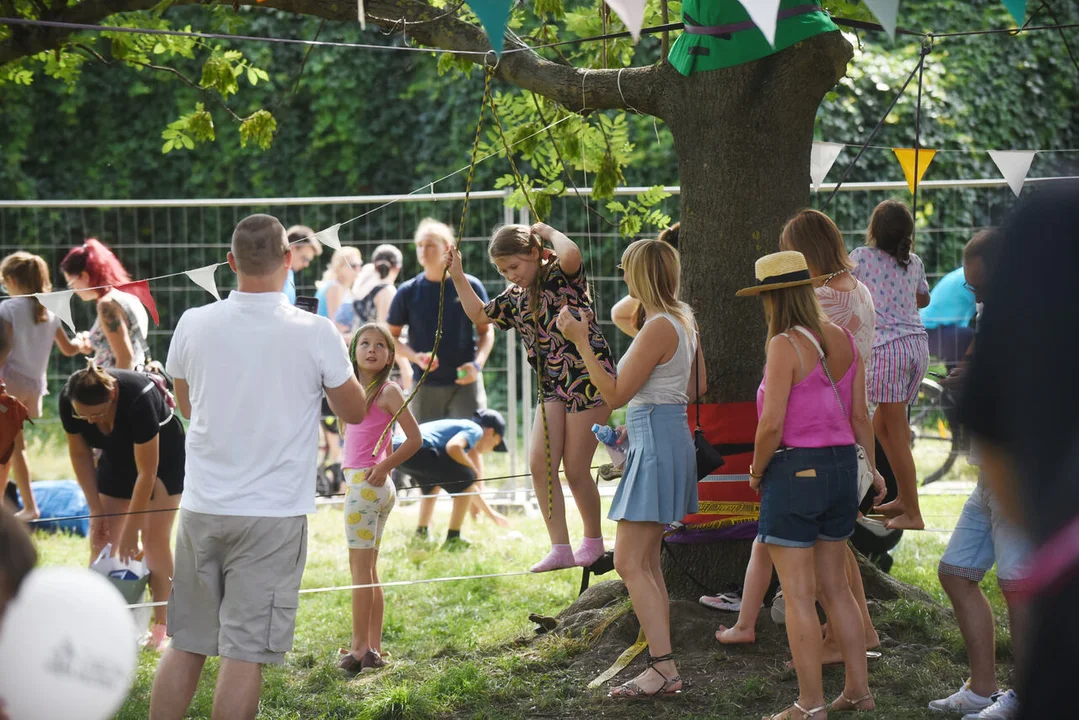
{"x": 564, "y": 377}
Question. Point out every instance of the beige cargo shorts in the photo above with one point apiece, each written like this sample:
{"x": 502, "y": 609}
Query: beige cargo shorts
{"x": 236, "y": 585}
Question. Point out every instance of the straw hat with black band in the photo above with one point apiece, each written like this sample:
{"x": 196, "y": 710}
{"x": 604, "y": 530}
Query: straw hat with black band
{"x": 780, "y": 270}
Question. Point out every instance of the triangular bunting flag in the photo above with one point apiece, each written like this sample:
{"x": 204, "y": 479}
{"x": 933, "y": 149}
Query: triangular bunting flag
{"x": 631, "y": 12}
{"x": 1018, "y": 9}
{"x": 821, "y": 160}
{"x": 141, "y": 290}
{"x": 59, "y": 303}
{"x": 764, "y": 14}
{"x": 328, "y": 237}
{"x": 906, "y": 160}
{"x": 885, "y": 12}
{"x": 204, "y": 278}
{"x": 1014, "y": 166}
{"x": 493, "y": 15}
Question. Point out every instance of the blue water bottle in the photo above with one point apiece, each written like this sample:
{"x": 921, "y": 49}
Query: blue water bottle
{"x": 609, "y": 437}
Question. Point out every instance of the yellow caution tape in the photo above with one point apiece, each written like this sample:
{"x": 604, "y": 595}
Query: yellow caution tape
{"x": 623, "y": 660}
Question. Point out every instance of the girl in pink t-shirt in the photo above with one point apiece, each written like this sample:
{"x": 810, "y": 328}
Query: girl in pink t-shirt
{"x": 369, "y": 494}
{"x": 896, "y": 278}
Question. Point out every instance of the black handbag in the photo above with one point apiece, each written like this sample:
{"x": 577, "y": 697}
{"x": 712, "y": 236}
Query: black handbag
{"x": 708, "y": 458}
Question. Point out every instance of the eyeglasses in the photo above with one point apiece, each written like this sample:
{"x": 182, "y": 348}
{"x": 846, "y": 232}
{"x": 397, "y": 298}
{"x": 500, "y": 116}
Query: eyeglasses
{"x": 619, "y": 267}
{"x": 94, "y": 417}
{"x": 970, "y": 287}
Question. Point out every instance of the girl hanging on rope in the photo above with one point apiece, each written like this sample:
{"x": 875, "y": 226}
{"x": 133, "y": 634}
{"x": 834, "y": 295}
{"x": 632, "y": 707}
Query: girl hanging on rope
{"x": 369, "y": 494}
{"x": 543, "y": 281}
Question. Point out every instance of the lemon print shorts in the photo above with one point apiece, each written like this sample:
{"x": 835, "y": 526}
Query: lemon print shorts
{"x": 366, "y": 509}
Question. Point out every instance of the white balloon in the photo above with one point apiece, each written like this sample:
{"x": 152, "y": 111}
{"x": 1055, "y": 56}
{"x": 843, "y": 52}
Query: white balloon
{"x": 66, "y": 648}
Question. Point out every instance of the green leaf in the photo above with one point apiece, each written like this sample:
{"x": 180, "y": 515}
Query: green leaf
{"x": 188, "y": 142}
{"x": 166, "y": 148}
{"x": 159, "y": 49}
{"x": 259, "y": 127}
{"x": 252, "y": 76}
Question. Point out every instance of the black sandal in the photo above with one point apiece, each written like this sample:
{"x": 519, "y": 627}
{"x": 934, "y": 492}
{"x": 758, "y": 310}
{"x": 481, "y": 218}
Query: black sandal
{"x": 632, "y": 691}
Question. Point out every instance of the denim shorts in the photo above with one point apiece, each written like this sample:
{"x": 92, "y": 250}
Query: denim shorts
{"x": 982, "y": 537}
{"x": 809, "y": 494}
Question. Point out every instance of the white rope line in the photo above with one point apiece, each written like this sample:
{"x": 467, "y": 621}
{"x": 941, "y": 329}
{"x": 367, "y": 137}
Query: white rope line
{"x": 397, "y": 199}
{"x": 625, "y": 102}
{"x": 395, "y": 583}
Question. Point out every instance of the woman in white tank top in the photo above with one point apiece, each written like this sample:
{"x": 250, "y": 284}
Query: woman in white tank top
{"x": 659, "y": 482}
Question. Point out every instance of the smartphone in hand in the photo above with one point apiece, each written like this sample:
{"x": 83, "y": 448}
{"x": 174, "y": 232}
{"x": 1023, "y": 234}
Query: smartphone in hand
{"x": 310, "y": 304}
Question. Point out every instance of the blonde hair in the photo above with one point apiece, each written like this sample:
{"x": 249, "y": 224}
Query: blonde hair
{"x": 437, "y": 228}
{"x": 349, "y": 256}
{"x": 32, "y": 274}
{"x": 786, "y": 307}
{"x": 653, "y": 270}
{"x": 813, "y": 234}
{"x": 382, "y": 375}
{"x": 511, "y": 240}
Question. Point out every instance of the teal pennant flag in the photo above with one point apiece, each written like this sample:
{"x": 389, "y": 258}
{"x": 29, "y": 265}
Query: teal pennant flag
{"x": 1018, "y": 9}
{"x": 493, "y": 15}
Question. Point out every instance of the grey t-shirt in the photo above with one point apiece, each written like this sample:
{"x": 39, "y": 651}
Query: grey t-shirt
{"x": 29, "y": 359}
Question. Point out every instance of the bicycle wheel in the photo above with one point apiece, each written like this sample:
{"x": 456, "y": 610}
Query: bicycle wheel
{"x": 931, "y": 429}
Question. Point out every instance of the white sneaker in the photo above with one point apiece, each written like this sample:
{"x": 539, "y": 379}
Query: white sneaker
{"x": 779, "y": 609}
{"x": 1006, "y": 707}
{"x": 731, "y": 602}
{"x": 963, "y": 700}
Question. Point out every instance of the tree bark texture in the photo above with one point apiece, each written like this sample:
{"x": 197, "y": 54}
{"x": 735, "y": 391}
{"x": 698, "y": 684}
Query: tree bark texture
{"x": 743, "y": 136}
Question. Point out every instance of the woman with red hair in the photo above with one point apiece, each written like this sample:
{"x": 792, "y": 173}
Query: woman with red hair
{"x": 118, "y": 336}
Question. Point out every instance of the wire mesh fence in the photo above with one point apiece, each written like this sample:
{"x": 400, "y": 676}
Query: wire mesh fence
{"x": 157, "y": 237}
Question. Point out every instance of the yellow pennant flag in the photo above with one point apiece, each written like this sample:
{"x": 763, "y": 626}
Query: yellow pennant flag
{"x": 906, "y": 159}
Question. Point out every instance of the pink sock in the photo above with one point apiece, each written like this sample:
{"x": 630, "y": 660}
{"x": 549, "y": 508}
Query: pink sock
{"x": 591, "y": 550}
{"x": 561, "y": 556}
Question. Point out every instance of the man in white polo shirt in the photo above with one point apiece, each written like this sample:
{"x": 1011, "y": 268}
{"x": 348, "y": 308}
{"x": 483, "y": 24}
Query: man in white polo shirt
{"x": 250, "y": 372}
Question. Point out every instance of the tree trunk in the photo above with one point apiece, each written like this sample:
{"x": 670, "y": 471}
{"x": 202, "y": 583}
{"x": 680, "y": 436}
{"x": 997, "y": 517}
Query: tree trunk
{"x": 743, "y": 136}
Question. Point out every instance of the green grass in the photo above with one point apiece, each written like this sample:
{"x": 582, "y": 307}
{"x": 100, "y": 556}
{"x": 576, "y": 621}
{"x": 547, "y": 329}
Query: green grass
{"x": 458, "y": 649}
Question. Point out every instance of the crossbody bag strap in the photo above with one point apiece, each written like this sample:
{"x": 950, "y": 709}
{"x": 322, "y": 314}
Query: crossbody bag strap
{"x": 823, "y": 364}
{"x": 696, "y": 377}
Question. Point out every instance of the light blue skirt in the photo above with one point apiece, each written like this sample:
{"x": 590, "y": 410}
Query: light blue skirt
{"x": 659, "y": 480}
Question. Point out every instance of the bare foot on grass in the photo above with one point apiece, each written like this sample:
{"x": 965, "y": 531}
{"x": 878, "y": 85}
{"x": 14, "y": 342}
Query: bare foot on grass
{"x": 735, "y": 635}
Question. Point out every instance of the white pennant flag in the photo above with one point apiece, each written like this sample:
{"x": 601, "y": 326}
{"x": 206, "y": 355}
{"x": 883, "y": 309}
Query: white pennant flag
{"x": 821, "y": 160}
{"x": 631, "y": 12}
{"x": 1014, "y": 166}
{"x": 204, "y": 278}
{"x": 329, "y": 237}
{"x": 886, "y": 12}
{"x": 59, "y": 304}
{"x": 764, "y": 14}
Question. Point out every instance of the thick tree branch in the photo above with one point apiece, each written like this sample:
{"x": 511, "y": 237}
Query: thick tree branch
{"x": 644, "y": 89}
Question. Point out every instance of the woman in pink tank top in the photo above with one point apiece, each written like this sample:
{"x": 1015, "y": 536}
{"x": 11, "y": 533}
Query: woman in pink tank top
{"x": 847, "y": 303}
{"x": 805, "y": 467}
